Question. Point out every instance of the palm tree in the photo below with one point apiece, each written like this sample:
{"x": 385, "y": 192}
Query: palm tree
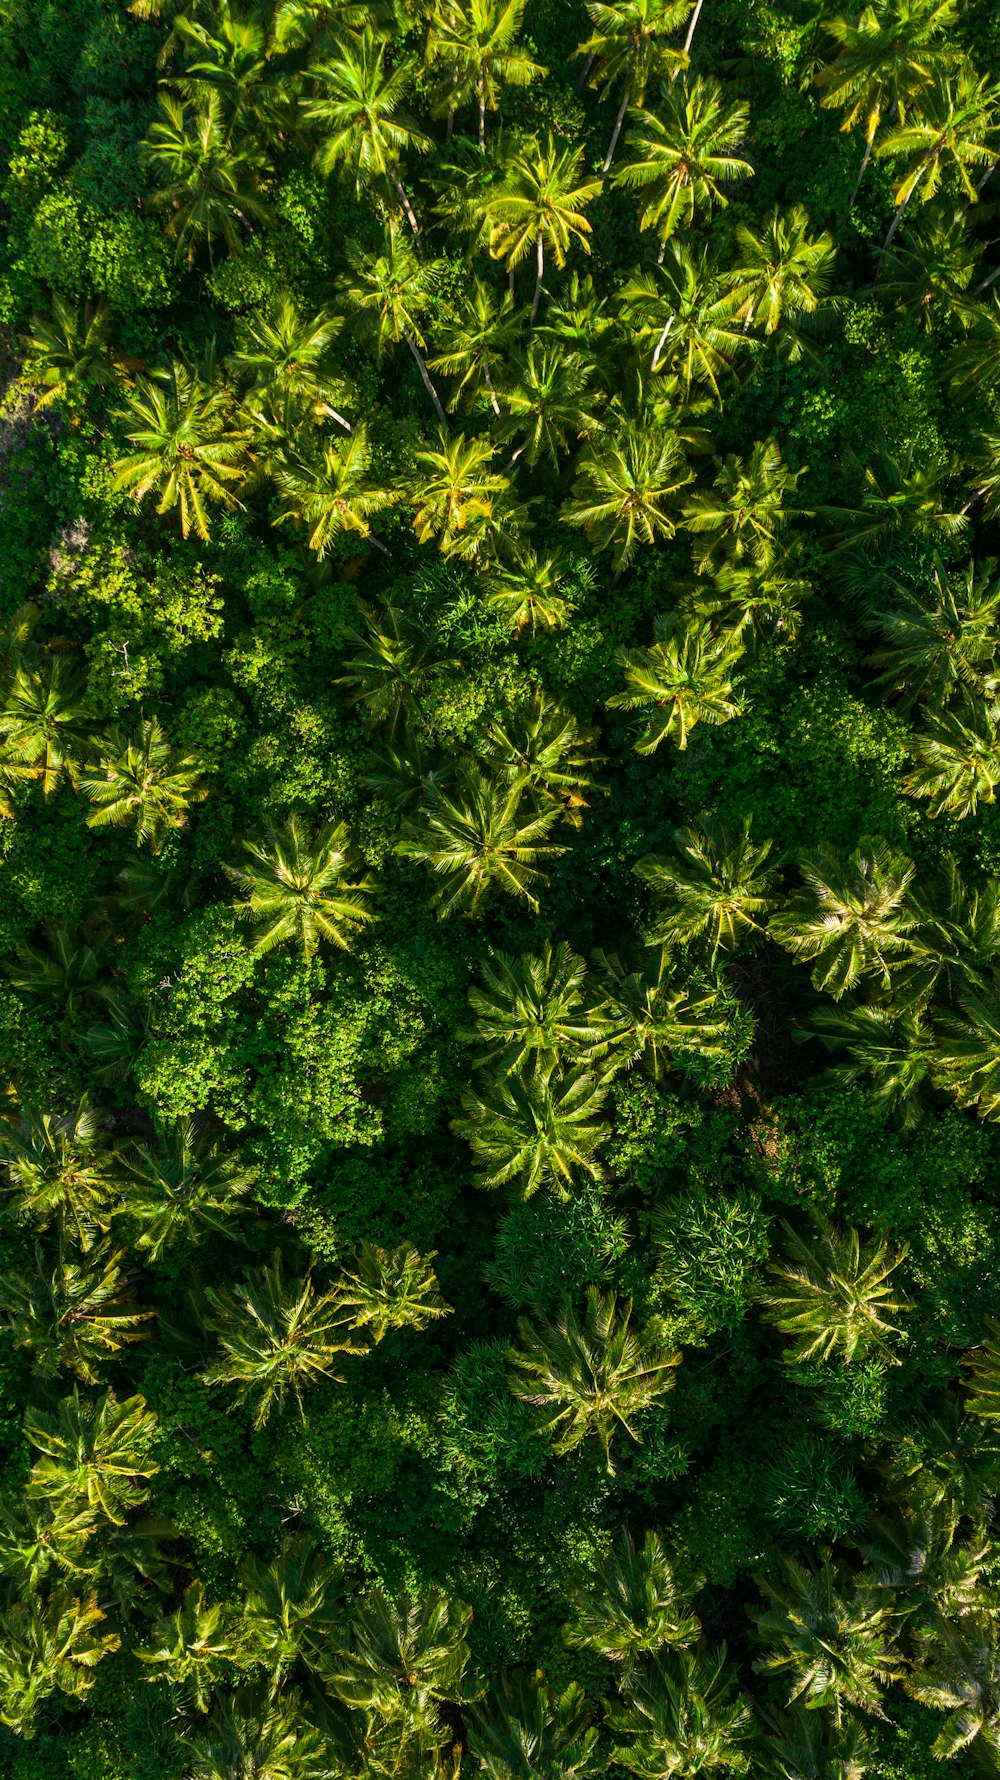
{"x": 303, "y": 886}
{"x": 540, "y": 205}
{"x": 403, "y": 1656}
{"x": 542, "y": 743}
{"x": 887, "y": 57}
{"x": 528, "y": 1732}
{"x": 282, "y": 361}
{"x": 265, "y": 1735}
{"x": 538, "y": 1130}
{"x": 275, "y": 1335}
{"x": 957, "y": 758}
{"x": 59, "y": 1169}
{"x": 782, "y": 275}
{"x": 329, "y": 492}
{"x": 939, "y": 638}
{"x": 633, "y": 1605}
{"x": 679, "y": 160}
{"x": 890, "y": 1050}
{"x": 901, "y": 505}
{"x": 356, "y": 109}
{"x": 717, "y": 888}
{"x": 39, "y": 1536}
{"x": 966, "y": 1054}
{"x": 475, "y": 42}
{"x": 549, "y": 399}
{"x": 590, "y": 1375}
{"x": 187, "y": 450}
{"x": 480, "y": 834}
{"x": 210, "y": 188}
{"x": 680, "y": 1716}
{"x": 67, "y": 968}
{"x": 832, "y": 1639}
{"x": 983, "y": 1366}
{"x": 477, "y": 335}
{"x": 45, "y": 1646}
{"x": 68, "y": 350}
{"x": 388, "y": 294}
{"x": 628, "y": 45}
{"x": 529, "y": 592}
{"x": 957, "y": 1671}
{"x": 626, "y": 489}
{"x": 740, "y": 524}
{"x": 913, "y": 1555}
{"x": 804, "y": 1745}
{"x": 189, "y": 1648}
{"x": 686, "y": 676}
{"x": 390, "y": 670}
{"x": 45, "y": 726}
{"x": 230, "y": 57}
{"x": 183, "y": 1188}
{"x": 453, "y": 488}
{"x": 146, "y": 782}
{"x": 953, "y": 124}
{"x": 681, "y": 312}
{"x": 391, "y": 1289}
{"x": 73, "y": 1314}
{"x": 94, "y": 1452}
{"x": 666, "y": 1016}
{"x": 833, "y": 1294}
{"x": 291, "y": 1604}
{"x": 854, "y": 918}
{"x": 535, "y": 1014}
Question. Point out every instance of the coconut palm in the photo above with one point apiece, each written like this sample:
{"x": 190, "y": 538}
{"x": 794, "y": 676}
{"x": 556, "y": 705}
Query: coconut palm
{"x": 68, "y": 350}
{"x": 356, "y": 110}
{"x": 854, "y": 918}
{"x": 45, "y": 727}
{"x": 188, "y": 451}
{"x": 534, "y": 1014}
{"x": 60, "y": 1169}
{"x": 538, "y": 1130}
{"x": 210, "y": 186}
{"x": 291, "y": 1604}
{"x": 930, "y": 274}
{"x": 542, "y": 743}
{"x": 889, "y": 1049}
{"x": 628, "y": 46}
{"x": 388, "y": 295}
{"x": 190, "y": 1648}
{"x": 529, "y": 591}
{"x": 39, "y": 1537}
{"x": 834, "y": 1294}
{"x": 952, "y": 125}
{"x": 681, "y": 314}
{"x": 589, "y": 1375}
{"x": 679, "y": 160}
{"x": 939, "y": 638}
{"x": 391, "y": 667}
{"x": 804, "y": 1745}
{"x": 529, "y": 1732}
{"x": 402, "y": 1657}
{"x": 229, "y": 57}
{"x": 303, "y": 886}
{"x": 282, "y": 361}
{"x": 685, "y": 676}
{"x": 47, "y": 1646}
{"x": 275, "y": 1336}
{"x": 739, "y": 524}
{"x": 549, "y": 402}
{"x": 633, "y": 1605}
{"x": 626, "y": 490}
{"x": 473, "y": 44}
{"x": 716, "y": 889}
{"x": 454, "y": 487}
{"x": 983, "y": 1366}
{"x": 99, "y": 1452}
{"x": 680, "y": 1715}
{"x": 145, "y": 782}
{"x": 966, "y": 1054}
{"x": 539, "y": 206}
{"x": 183, "y": 1188}
{"x": 476, "y": 337}
{"x": 329, "y": 492}
{"x": 74, "y": 1313}
{"x": 667, "y": 1016}
{"x": 914, "y": 1555}
{"x": 265, "y": 1735}
{"x": 956, "y": 758}
{"x": 782, "y": 276}
{"x": 480, "y": 833}
{"x": 390, "y": 1289}
{"x": 957, "y": 1671}
{"x": 902, "y": 504}
{"x": 831, "y": 1638}
{"x": 66, "y": 968}
{"x": 887, "y": 57}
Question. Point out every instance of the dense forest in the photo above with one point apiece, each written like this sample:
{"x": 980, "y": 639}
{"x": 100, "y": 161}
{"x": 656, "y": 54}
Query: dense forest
{"x": 499, "y": 889}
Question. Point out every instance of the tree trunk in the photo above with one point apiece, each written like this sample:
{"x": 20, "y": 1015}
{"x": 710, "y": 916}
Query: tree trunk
{"x": 985, "y": 285}
{"x": 620, "y": 119}
{"x": 370, "y": 538}
{"x": 482, "y": 117}
{"x": 991, "y": 169}
{"x": 587, "y": 66}
{"x": 540, "y": 273}
{"x": 425, "y": 379}
{"x": 407, "y": 206}
{"x": 518, "y": 453}
{"x": 339, "y": 418}
{"x": 691, "y": 26}
{"x": 894, "y": 225}
{"x": 864, "y": 169}
{"x": 661, "y": 342}
{"x": 510, "y": 282}
{"x": 487, "y": 379}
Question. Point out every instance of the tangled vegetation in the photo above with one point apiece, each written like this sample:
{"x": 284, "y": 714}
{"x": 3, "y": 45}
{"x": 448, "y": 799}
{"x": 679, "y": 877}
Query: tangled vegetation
{"x": 500, "y": 864}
